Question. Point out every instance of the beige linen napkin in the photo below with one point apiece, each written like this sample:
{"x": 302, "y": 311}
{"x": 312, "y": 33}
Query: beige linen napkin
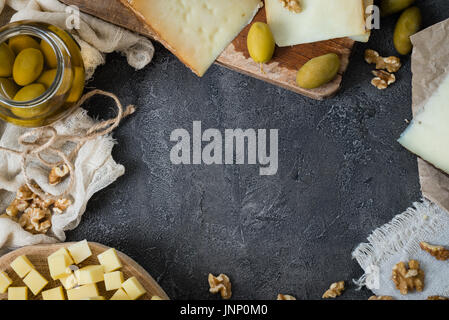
{"x": 94, "y": 166}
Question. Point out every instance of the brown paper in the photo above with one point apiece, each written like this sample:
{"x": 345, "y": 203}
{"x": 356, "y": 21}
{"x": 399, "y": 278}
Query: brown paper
{"x": 430, "y": 66}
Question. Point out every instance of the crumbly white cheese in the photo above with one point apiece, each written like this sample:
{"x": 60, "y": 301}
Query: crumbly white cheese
{"x": 319, "y": 20}
{"x": 428, "y": 134}
{"x": 197, "y": 31}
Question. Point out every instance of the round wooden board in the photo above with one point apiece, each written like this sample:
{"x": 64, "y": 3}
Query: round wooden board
{"x": 38, "y": 256}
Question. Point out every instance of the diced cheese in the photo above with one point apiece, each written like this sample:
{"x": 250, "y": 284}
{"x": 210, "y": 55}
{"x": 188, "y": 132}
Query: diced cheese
{"x": 64, "y": 252}
{"x": 80, "y": 251}
{"x": 95, "y": 298}
{"x": 428, "y": 134}
{"x": 59, "y": 266}
{"x": 83, "y": 292}
{"x": 113, "y": 280}
{"x": 319, "y": 20}
{"x": 90, "y": 274}
{"x": 35, "y": 282}
{"x": 5, "y": 282}
{"x": 156, "y": 298}
{"x": 53, "y": 294}
{"x": 196, "y": 31}
{"x": 69, "y": 282}
{"x": 17, "y": 293}
{"x": 133, "y": 288}
{"x": 22, "y": 266}
{"x": 109, "y": 260}
{"x": 120, "y": 294}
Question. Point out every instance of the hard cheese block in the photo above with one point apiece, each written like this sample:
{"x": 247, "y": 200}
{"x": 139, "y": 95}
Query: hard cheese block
{"x": 319, "y": 20}
{"x": 428, "y": 134}
{"x": 196, "y": 31}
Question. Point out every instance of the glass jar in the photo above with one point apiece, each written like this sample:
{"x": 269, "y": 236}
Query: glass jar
{"x": 42, "y": 73}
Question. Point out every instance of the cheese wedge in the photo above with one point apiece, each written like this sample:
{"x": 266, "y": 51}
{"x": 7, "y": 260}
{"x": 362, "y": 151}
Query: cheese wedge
{"x": 319, "y": 20}
{"x": 196, "y": 31}
{"x": 428, "y": 134}
{"x": 368, "y": 17}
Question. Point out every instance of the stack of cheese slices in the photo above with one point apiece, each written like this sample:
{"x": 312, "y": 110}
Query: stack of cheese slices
{"x": 197, "y": 31}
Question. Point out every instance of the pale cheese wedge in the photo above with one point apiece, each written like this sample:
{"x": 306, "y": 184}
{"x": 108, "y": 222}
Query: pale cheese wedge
{"x": 319, "y": 20}
{"x": 428, "y": 134}
{"x": 368, "y": 17}
{"x": 196, "y": 31}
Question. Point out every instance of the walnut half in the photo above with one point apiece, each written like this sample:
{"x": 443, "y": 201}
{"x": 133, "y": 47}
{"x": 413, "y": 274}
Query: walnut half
{"x": 335, "y": 290}
{"x": 381, "y": 298}
{"x": 220, "y": 284}
{"x": 437, "y": 298}
{"x": 439, "y": 252}
{"x": 285, "y": 297}
{"x": 58, "y": 174}
{"x": 408, "y": 278}
{"x": 382, "y": 79}
{"x": 391, "y": 64}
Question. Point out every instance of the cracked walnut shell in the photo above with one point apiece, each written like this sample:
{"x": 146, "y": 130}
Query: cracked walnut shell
{"x": 408, "y": 279}
{"x": 220, "y": 284}
{"x": 382, "y": 79}
{"x": 439, "y": 252}
{"x": 391, "y": 64}
{"x": 292, "y": 5}
{"x": 335, "y": 290}
{"x": 57, "y": 174}
{"x": 285, "y": 297}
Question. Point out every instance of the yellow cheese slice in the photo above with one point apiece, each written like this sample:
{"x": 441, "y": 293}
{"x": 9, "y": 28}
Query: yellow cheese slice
{"x": 319, "y": 20}
{"x": 428, "y": 134}
{"x": 196, "y": 31}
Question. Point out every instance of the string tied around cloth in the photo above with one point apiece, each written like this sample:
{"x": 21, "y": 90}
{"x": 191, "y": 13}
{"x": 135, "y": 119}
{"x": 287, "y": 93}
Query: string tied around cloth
{"x": 38, "y": 141}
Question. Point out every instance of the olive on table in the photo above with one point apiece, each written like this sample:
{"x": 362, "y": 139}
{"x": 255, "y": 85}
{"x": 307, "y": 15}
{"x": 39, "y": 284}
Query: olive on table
{"x": 8, "y": 88}
{"x": 28, "y": 66}
{"x": 49, "y": 54}
{"x": 29, "y": 93}
{"x": 388, "y": 7}
{"x": 318, "y": 71}
{"x": 260, "y": 42}
{"x": 6, "y": 60}
{"x": 22, "y": 42}
{"x": 408, "y": 24}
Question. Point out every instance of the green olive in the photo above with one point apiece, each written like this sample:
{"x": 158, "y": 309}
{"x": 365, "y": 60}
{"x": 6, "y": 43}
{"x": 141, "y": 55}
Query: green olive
{"x": 29, "y": 93}
{"x": 8, "y": 88}
{"x": 49, "y": 54}
{"x": 47, "y": 77}
{"x": 77, "y": 85}
{"x": 260, "y": 42}
{"x": 318, "y": 71}
{"x": 388, "y": 7}
{"x": 6, "y": 60}
{"x": 28, "y": 66}
{"x": 22, "y": 42}
{"x": 408, "y": 24}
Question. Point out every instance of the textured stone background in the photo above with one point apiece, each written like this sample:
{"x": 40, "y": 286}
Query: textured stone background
{"x": 341, "y": 175}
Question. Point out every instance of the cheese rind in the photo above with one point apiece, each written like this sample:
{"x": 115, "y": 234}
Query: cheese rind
{"x": 196, "y": 31}
{"x": 427, "y": 135}
{"x": 22, "y": 266}
{"x": 5, "y": 282}
{"x": 319, "y": 20}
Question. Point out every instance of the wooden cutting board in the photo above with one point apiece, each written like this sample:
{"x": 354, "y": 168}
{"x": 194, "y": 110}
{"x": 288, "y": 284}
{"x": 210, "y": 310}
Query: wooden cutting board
{"x": 280, "y": 71}
{"x": 38, "y": 256}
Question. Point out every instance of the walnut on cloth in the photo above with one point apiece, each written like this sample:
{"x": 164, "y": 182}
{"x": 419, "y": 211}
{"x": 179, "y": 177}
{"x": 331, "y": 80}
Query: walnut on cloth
{"x": 220, "y": 284}
{"x": 36, "y": 220}
{"x": 382, "y": 79}
{"x": 381, "y": 298}
{"x": 408, "y": 278}
{"x": 335, "y": 290}
{"x": 285, "y": 297}
{"x": 439, "y": 252}
{"x": 58, "y": 174}
{"x": 437, "y": 298}
{"x": 292, "y": 5}
{"x": 391, "y": 64}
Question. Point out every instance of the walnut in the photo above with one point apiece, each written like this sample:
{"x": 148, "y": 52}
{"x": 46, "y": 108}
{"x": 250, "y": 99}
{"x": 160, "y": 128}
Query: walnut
{"x": 381, "y": 298}
{"x": 57, "y": 174}
{"x": 220, "y": 284}
{"x": 285, "y": 297}
{"x": 24, "y": 193}
{"x": 408, "y": 279}
{"x": 335, "y": 290}
{"x": 437, "y": 298}
{"x": 383, "y": 79}
{"x": 61, "y": 205}
{"x": 439, "y": 252}
{"x": 292, "y": 5}
{"x": 391, "y": 64}
{"x": 17, "y": 206}
{"x": 36, "y": 220}
{"x": 39, "y": 203}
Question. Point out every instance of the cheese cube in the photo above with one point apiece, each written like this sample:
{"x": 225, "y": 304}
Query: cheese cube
{"x": 90, "y": 274}
{"x": 133, "y": 288}
{"x": 22, "y": 266}
{"x": 35, "y": 282}
{"x": 110, "y": 260}
{"x": 53, "y": 294}
{"x": 80, "y": 251}
{"x": 59, "y": 266}
{"x": 69, "y": 282}
{"x": 113, "y": 280}
{"x": 64, "y": 252}
{"x": 95, "y": 298}
{"x": 5, "y": 282}
{"x": 17, "y": 293}
{"x": 156, "y": 298}
{"x": 83, "y": 292}
{"x": 120, "y": 294}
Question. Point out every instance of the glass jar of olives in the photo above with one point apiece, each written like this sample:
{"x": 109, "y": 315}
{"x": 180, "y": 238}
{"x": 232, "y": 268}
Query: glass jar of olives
{"x": 41, "y": 73}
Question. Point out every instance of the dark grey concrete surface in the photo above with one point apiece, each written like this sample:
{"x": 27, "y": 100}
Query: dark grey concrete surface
{"x": 341, "y": 175}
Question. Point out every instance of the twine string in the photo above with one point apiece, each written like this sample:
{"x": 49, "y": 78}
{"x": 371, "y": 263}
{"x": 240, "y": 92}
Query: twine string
{"x": 38, "y": 141}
